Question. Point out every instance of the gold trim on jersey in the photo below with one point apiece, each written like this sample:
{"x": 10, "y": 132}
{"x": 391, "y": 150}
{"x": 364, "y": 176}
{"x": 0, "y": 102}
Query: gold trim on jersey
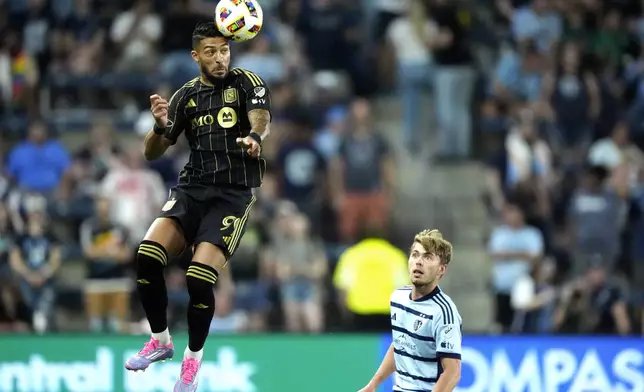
{"x": 255, "y": 80}
{"x": 191, "y": 82}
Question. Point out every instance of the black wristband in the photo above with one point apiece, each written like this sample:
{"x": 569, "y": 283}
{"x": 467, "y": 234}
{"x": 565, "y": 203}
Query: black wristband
{"x": 256, "y": 137}
{"x": 158, "y": 130}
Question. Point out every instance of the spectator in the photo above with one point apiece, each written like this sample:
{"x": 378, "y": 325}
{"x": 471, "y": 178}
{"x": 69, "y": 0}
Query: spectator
{"x": 107, "y": 288}
{"x": 177, "y": 65}
{"x": 539, "y": 22}
{"x": 19, "y": 76}
{"x": 94, "y": 160}
{"x": 302, "y": 170}
{"x": 135, "y": 193}
{"x": 406, "y": 39}
{"x": 515, "y": 249}
{"x": 15, "y": 316}
{"x": 366, "y": 275}
{"x": 36, "y": 32}
{"x": 600, "y": 305}
{"x": 5, "y": 240}
{"x": 263, "y": 60}
{"x": 572, "y": 96}
{"x": 39, "y": 164}
{"x": 362, "y": 175}
{"x": 252, "y": 272}
{"x": 328, "y": 139}
{"x": 518, "y": 74}
{"x": 227, "y": 319}
{"x": 533, "y": 300}
{"x": 612, "y": 40}
{"x": 35, "y": 259}
{"x": 596, "y": 215}
{"x": 454, "y": 80}
{"x": 324, "y": 27}
{"x": 300, "y": 267}
{"x": 615, "y": 150}
{"x": 137, "y": 32}
{"x": 78, "y": 43}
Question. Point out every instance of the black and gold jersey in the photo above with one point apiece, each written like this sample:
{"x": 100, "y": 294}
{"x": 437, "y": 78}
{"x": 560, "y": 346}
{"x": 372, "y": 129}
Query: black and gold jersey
{"x": 212, "y": 118}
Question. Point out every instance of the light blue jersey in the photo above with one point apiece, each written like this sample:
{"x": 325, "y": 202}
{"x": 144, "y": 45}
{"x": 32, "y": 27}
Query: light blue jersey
{"x": 424, "y": 330}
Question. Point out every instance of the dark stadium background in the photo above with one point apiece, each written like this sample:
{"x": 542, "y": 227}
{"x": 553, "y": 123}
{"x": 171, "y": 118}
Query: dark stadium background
{"x": 532, "y": 114}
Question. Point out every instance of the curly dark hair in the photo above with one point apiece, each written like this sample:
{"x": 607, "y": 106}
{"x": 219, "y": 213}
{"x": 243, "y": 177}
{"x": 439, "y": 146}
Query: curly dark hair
{"x": 204, "y": 30}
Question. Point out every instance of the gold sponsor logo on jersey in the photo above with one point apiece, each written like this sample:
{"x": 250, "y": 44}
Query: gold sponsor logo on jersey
{"x": 201, "y": 121}
{"x": 227, "y": 117}
{"x": 230, "y": 95}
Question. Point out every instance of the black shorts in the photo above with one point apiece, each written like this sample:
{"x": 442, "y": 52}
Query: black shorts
{"x": 214, "y": 214}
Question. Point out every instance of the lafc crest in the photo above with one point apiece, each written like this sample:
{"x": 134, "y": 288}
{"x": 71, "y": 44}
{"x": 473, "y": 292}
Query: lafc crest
{"x": 230, "y": 95}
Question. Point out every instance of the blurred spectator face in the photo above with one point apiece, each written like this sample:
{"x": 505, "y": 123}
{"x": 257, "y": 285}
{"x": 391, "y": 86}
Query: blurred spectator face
{"x": 299, "y": 226}
{"x": 596, "y": 276}
{"x": 35, "y": 224}
{"x": 282, "y": 95}
{"x": 36, "y": 5}
{"x": 361, "y": 111}
{"x": 540, "y": 5}
{"x": 285, "y": 212}
{"x": 133, "y": 158}
{"x": 102, "y": 208}
{"x": 513, "y": 216}
{"x": 527, "y": 124}
{"x": 570, "y": 57}
{"x": 37, "y": 133}
{"x": 261, "y": 45}
{"x": 268, "y": 190}
{"x": 101, "y": 134}
{"x": 613, "y": 20}
{"x": 546, "y": 271}
{"x": 143, "y": 7}
{"x": 620, "y": 134}
{"x": 592, "y": 179}
{"x": 12, "y": 42}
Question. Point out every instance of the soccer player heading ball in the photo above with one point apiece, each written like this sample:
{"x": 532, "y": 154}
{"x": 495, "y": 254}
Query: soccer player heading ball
{"x": 426, "y": 327}
{"x": 225, "y": 115}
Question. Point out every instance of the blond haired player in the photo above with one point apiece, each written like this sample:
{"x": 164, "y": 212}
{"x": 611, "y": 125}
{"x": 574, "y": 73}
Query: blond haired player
{"x": 426, "y": 327}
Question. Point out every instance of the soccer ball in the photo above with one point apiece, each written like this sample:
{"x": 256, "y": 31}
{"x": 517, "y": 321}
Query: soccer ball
{"x": 239, "y": 20}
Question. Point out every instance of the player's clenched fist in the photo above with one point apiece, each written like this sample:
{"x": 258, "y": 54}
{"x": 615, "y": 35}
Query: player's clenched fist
{"x": 159, "y": 109}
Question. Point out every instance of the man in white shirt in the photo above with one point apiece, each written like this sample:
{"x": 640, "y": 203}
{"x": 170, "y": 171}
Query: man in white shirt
{"x": 426, "y": 350}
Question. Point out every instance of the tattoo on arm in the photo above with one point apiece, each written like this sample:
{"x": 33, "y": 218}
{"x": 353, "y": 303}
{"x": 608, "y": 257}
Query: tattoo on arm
{"x": 260, "y": 121}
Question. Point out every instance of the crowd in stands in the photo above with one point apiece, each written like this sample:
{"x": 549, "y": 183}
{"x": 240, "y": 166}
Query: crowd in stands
{"x": 562, "y": 116}
{"x": 558, "y": 113}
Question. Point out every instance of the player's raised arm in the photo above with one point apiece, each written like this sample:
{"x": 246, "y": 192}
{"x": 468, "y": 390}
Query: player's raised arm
{"x": 258, "y": 107}
{"x": 169, "y": 122}
{"x": 447, "y": 334}
{"x": 386, "y": 369}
